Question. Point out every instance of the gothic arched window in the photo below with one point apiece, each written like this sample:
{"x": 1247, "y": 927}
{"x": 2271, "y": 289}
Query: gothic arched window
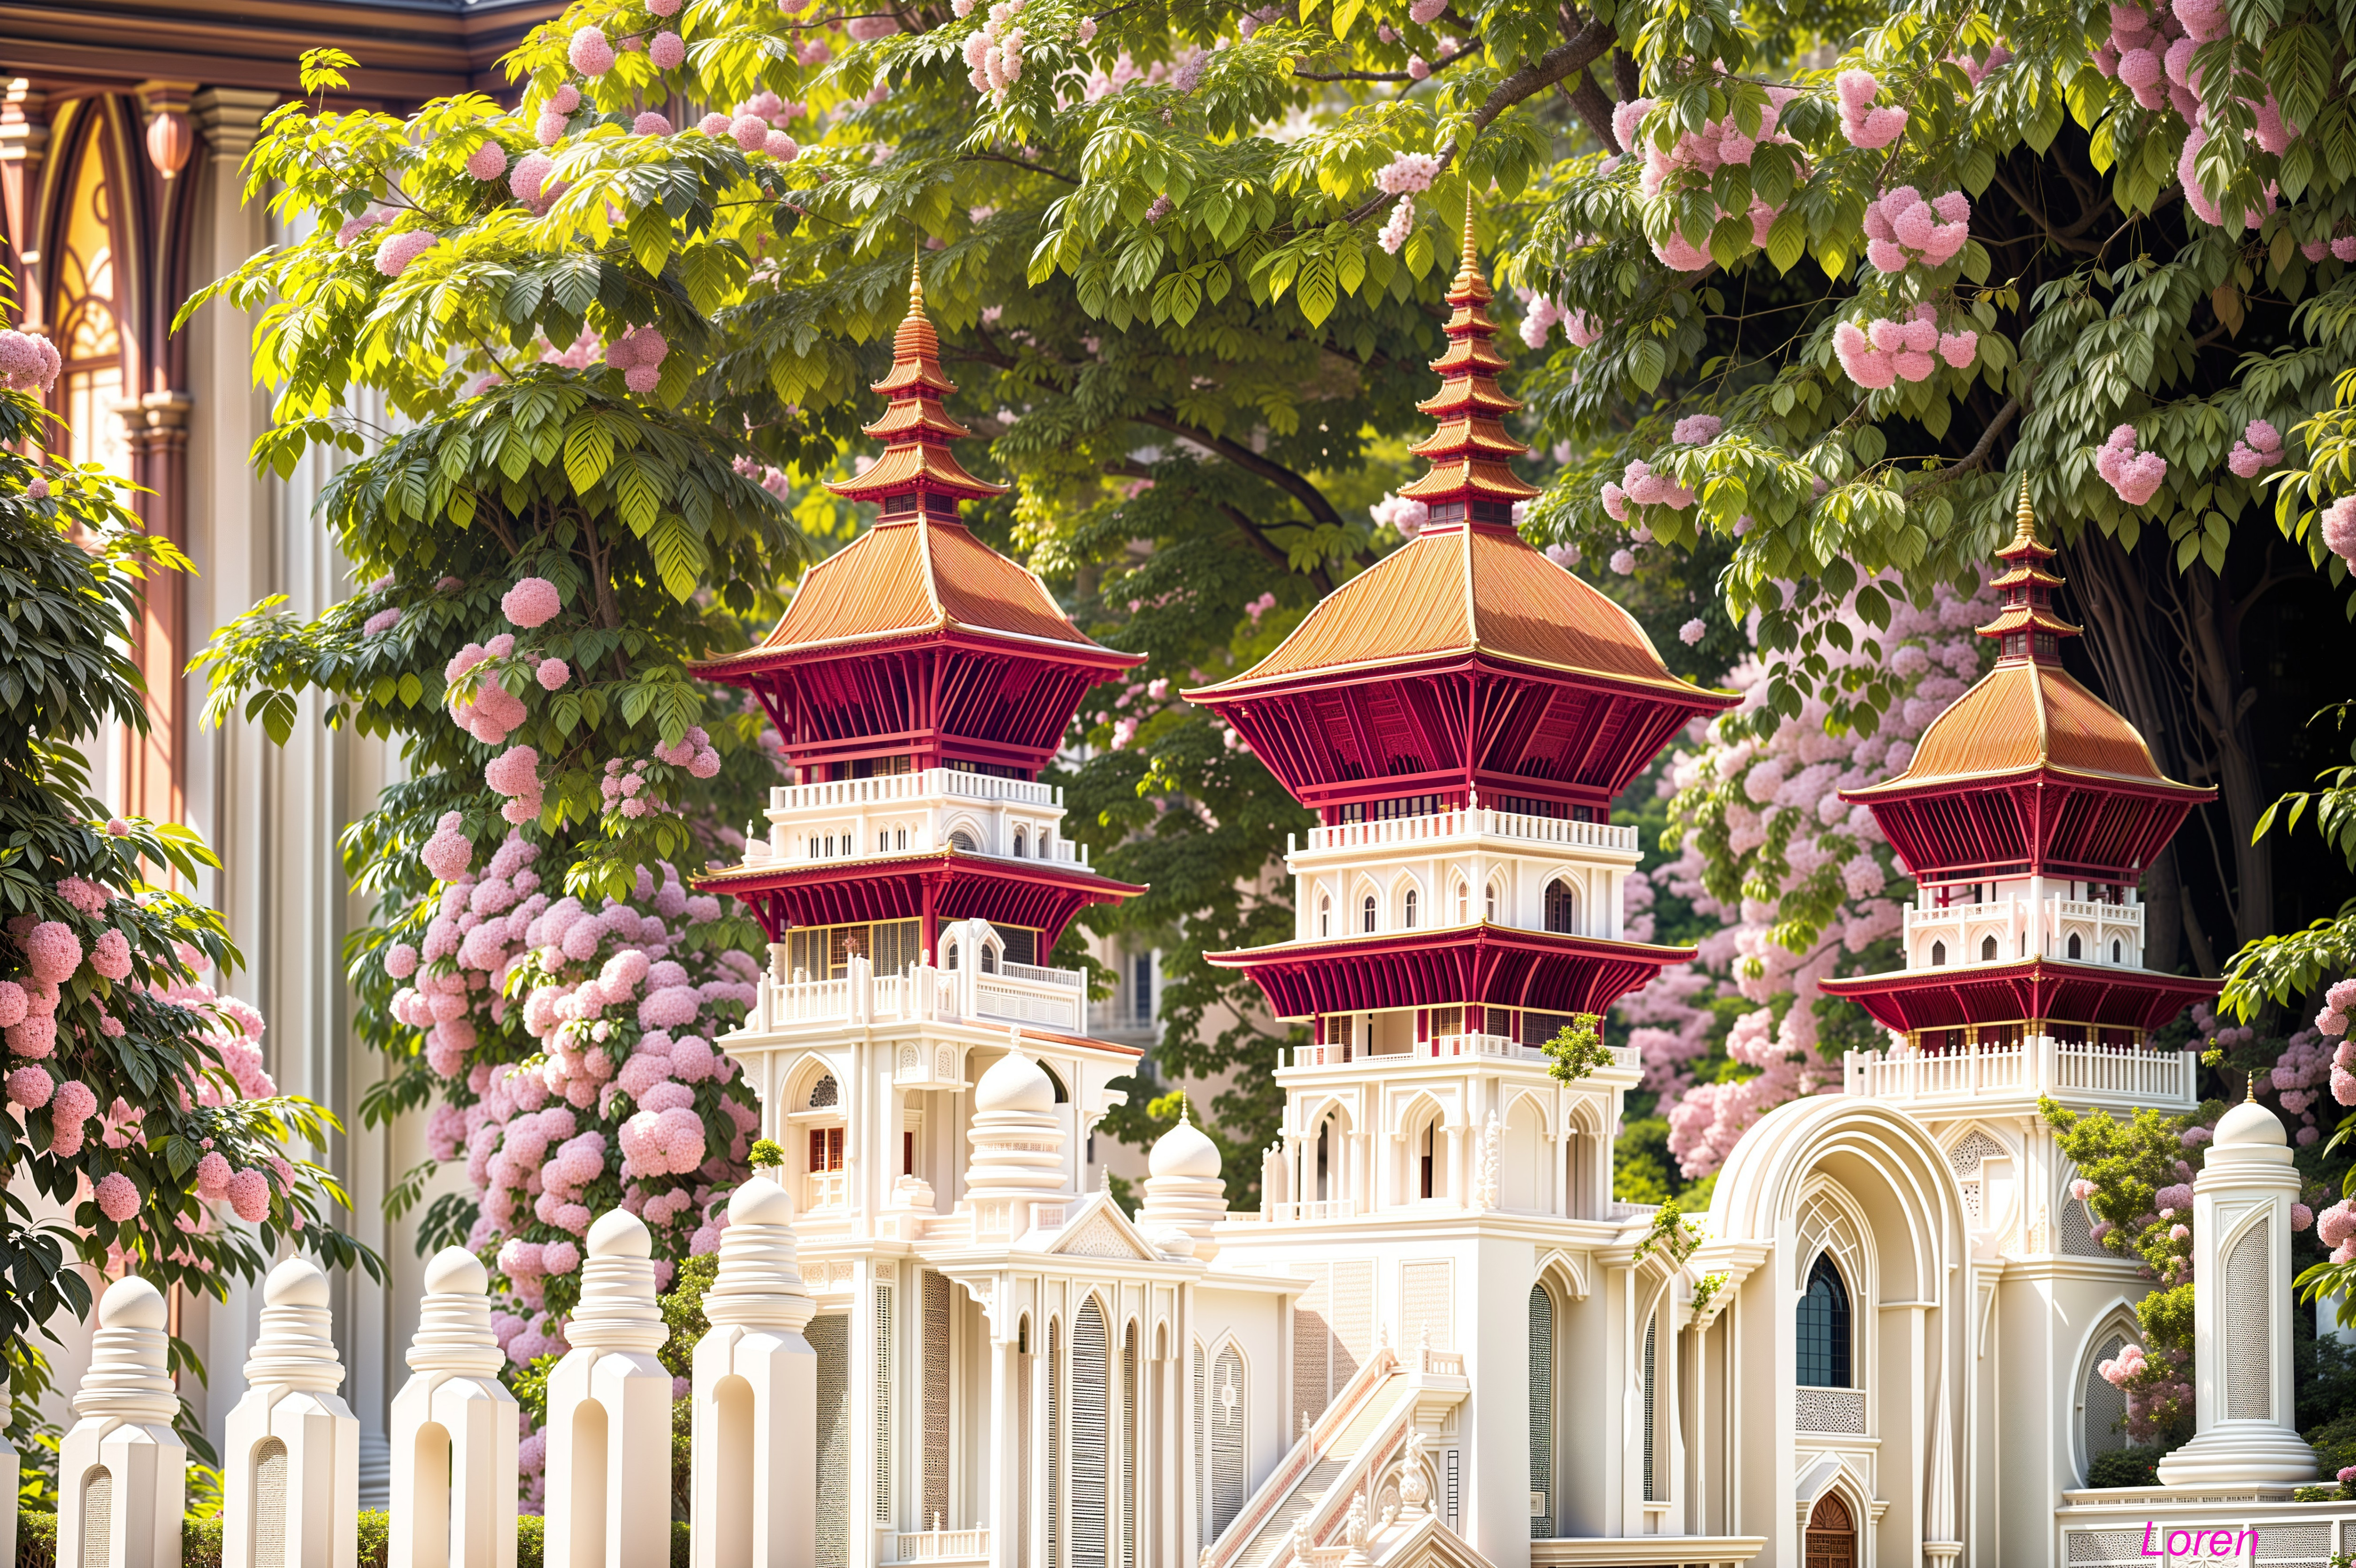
{"x": 1824, "y": 1327}
{"x": 1938, "y": 954}
{"x": 1988, "y": 949}
{"x": 1561, "y": 907}
{"x": 1366, "y": 912}
{"x": 2076, "y": 949}
{"x": 1410, "y": 909}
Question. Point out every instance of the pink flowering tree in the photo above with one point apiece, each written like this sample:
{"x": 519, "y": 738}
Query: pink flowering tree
{"x": 1804, "y": 882}
{"x": 138, "y": 1129}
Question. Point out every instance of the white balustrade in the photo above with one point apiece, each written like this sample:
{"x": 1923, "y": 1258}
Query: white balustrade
{"x": 825, "y": 1189}
{"x": 609, "y": 1411}
{"x": 2127, "y": 1074}
{"x": 291, "y": 1450}
{"x": 1015, "y": 993}
{"x": 1965, "y": 928}
{"x": 1445, "y": 1048}
{"x": 754, "y": 1480}
{"x": 1433, "y": 827}
{"x": 847, "y": 819}
{"x": 122, "y": 1470}
{"x": 939, "y": 1545}
{"x": 893, "y": 789}
{"x": 454, "y": 1430}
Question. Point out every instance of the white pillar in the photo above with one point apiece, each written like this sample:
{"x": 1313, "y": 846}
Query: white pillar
{"x": 122, "y": 1470}
{"x": 2241, "y": 1312}
{"x": 755, "y": 1491}
{"x": 609, "y": 1413}
{"x": 291, "y": 1451}
{"x": 453, "y": 1431}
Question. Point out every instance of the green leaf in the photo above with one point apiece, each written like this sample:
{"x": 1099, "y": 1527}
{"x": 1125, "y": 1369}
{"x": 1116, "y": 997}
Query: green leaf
{"x": 679, "y": 557}
{"x": 1648, "y": 361}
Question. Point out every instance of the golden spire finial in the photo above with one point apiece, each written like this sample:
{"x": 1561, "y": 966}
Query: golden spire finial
{"x": 2025, "y": 516}
{"x": 915, "y": 276}
{"x": 1469, "y": 270}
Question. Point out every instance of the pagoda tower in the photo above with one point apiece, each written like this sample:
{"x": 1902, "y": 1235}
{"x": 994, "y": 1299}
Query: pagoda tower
{"x": 2030, "y": 811}
{"x": 1460, "y": 716}
{"x": 2026, "y": 817}
{"x": 930, "y": 1079}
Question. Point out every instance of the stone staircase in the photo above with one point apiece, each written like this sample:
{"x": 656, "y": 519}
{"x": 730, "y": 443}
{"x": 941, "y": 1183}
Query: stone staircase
{"x": 1313, "y": 1485}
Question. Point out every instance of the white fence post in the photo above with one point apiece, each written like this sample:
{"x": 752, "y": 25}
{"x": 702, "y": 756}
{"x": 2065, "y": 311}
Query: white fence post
{"x": 609, "y": 1413}
{"x": 454, "y": 1430}
{"x": 122, "y": 1471}
{"x": 756, "y": 1397}
{"x": 291, "y": 1449}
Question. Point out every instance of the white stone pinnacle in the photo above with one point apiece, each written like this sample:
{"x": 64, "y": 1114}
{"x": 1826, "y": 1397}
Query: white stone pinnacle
{"x": 760, "y": 1280}
{"x": 129, "y": 1376}
{"x": 453, "y": 1325}
{"x": 618, "y": 1309}
{"x": 296, "y": 1346}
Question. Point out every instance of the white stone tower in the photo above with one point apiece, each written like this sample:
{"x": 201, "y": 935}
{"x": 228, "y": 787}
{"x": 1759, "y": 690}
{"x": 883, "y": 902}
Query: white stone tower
{"x": 122, "y": 1471}
{"x": 2241, "y": 1312}
{"x": 291, "y": 1452}
{"x": 755, "y": 1422}
{"x": 609, "y": 1411}
{"x": 454, "y": 1430}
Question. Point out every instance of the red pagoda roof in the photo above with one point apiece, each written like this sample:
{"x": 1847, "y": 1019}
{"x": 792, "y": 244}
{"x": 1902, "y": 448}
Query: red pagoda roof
{"x": 940, "y": 885}
{"x": 2026, "y": 990}
{"x": 918, "y": 639}
{"x": 1464, "y": 660}
{"x": 1490, "y": 966}
{"x": 2028, "y": 769}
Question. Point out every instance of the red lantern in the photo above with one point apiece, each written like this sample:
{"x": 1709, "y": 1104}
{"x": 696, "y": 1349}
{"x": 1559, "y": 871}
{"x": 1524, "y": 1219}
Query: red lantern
{"x": 170, "y": 141}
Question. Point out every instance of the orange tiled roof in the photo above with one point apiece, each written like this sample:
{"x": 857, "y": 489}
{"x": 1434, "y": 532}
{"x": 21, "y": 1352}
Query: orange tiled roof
{"x": 1464, "y": 586}
{"x": 2028, "y": 714}
{"x": 1464, "y": 590}
{"x": 914, "y": 571}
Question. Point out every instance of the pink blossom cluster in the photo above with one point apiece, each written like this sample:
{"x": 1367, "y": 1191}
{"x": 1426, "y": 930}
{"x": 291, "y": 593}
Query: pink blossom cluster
{"x": 556, "y": 112}
{"x": 772, "y": 480}
{"x": 2259, "y": 449}
{"x": 1640, "y": 486}
{"x": 993, "y": 56}
{"x": 28, "y": 361}
{"x": 2133, "y": 473}
{"x": 396, "y": 251}
{"x": 529, "y": 183}
{"x": 638, "y": 354}
{"x": 1406, "y": 173}
{"x": 1882, "y": 352}
{"x": 1404, "y": 513}
{"x": 2342, "y": 247}
{"x": 1540, "y": 316}
{"x": 2196, "y": 194}
{"x": 1904, "y": 228}
{"x": 1932, "y": 656}
{"x": 2151, "y": 49}
{"x": 488, "y": 162}
{"x": 1862, "y": 122}
{"x": 1398, "y": 227}
{"x": 1976, "y": 68}
{"x": 2339, "y": 522}
{"x": 2157, "y": 1390}
{"x": 1692, "y": 159}
{"x": 759, "y": 125}
{"x": 589, "y": 52}
{"x": 479, "y": 704}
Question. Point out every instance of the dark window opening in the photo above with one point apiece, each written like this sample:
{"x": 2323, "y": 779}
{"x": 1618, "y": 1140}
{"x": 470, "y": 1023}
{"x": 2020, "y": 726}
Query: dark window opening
{"x": 1824, "y": 1327}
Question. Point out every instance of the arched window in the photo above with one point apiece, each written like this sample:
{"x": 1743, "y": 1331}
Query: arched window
{"x": 1824, "y": 1327}
{"x": 1489, "y": 904}
{"x": 1021, "y": 842}
{"x": 1938, "y": 954}
{"x": 1410, "y": 910}
{"x": 2102, "y": 1408}
{"x": 989, "y": 958}
{"x": 824, "y": 1093}
{"x": 1428, "y": 1164}
{"x": 1324, "y": 1159}
{"x": 1229, "y": 1486}
{"x": 1366, "y": 914}
{"x": 1326, "y": 915}
{"x": 2075, "y": 949}
{"x": 85, "y": 308}
{"x": 948, "y": 955}
{"x": 899, "y": 838}
{"x": 1541, "y": 1363}
{"x": 2115, "y": 950}
{"x": 1091, "y": 1436}
{"x": 1988, "y": 949}
{"x": 1561, "y": 907}
{"x": 1463, "y": 901}
{"x": 962, "y": 841}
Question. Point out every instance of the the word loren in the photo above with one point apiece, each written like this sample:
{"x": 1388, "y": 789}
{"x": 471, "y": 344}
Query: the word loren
{"x": 2190, "y": 1547}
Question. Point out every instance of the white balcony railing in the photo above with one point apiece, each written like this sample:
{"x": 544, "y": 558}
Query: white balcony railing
{"x": 1446, "y": 1048}
{"x": 1964, "y": 929}
{"x": 2128, "y": 1075}
{"x": 1433, "y": 827}
{"x": 1053, "y": 999}
{"x": 939, "y": 1545}
{"x": 898, "y": 789}
{"x": 824, "y": 1188}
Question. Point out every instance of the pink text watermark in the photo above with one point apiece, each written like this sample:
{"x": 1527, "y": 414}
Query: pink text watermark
{"x": 2189, "y": 1548}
